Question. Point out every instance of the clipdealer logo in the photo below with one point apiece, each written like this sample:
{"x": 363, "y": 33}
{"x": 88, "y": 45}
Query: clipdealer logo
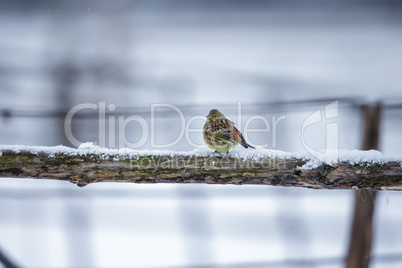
{"x": 148, "y": 128}
{"x": 331, "y": 131}
{"x": 107, "y": 126}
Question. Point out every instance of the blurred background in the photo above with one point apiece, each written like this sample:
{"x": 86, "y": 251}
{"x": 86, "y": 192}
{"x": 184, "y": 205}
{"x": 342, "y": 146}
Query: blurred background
{"x": 271, "y": 58}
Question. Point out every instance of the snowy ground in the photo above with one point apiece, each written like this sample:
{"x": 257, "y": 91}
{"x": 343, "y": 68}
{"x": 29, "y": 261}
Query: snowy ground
{"x": 121, "y": 225}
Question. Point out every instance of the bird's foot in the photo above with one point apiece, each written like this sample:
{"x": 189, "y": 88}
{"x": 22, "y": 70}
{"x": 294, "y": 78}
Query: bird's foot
{"x": 219, "y": 154}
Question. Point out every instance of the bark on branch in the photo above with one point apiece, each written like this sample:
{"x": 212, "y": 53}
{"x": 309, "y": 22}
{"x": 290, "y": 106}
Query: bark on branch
{"x": 90, "y": 168}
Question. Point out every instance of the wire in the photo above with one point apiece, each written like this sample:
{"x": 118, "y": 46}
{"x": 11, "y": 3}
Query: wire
{"x": 6, "y": 261}
{"x": 267, "y": 106}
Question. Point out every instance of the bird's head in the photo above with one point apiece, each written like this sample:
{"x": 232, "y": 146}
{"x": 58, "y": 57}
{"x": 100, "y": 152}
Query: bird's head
{"x": 215, "y": 114}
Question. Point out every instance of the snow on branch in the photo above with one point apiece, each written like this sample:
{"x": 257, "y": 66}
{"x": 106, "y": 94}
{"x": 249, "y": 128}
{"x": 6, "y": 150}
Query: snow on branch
{"x": 89, "y": 163}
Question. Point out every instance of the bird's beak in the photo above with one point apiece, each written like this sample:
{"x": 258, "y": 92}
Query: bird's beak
{"x": 208, "y": 116}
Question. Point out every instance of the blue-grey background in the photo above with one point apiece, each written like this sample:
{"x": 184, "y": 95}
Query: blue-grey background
{"x": 277, "y": 58}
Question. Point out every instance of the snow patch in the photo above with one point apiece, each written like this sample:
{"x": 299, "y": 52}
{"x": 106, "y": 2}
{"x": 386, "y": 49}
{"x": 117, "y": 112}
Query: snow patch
{"x": 87, "y": 145}
{"x": 331, "y": 158}
{"x": 351, "y": 157}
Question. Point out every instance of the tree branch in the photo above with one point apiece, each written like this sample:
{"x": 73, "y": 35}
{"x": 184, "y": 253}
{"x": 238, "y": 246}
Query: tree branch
{"x": 83, "y": 169}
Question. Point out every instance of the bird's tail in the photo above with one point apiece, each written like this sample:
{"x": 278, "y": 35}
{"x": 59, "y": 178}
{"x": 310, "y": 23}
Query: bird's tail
{"x": 245, "y": 144}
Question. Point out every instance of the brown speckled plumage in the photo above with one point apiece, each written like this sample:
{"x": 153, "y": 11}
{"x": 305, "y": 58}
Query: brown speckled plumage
{"x": 220, "y": 133}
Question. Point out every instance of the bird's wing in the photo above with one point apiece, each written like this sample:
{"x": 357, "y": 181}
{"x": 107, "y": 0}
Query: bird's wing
{"x": 239, "y": 137}
{"x": 223, "y": 135}
{"x": 223, "y": 130}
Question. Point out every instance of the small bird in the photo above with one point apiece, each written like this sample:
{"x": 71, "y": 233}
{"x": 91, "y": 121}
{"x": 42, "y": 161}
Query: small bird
{"x": 220, "y": 133}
